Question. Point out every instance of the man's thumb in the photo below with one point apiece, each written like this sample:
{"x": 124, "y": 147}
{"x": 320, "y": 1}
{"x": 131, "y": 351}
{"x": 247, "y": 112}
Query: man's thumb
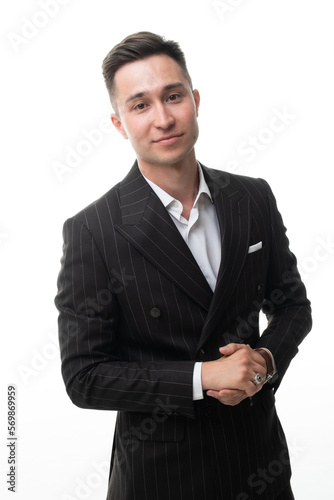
{"x": 229, "y": 349}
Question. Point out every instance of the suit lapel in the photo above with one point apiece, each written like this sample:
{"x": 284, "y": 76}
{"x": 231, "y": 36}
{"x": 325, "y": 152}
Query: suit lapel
{"x": 233, "y": 211}
{"x": 147, "y": 225}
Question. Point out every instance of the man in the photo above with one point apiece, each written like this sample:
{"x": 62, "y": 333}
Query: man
{"x": 160, "y": 289}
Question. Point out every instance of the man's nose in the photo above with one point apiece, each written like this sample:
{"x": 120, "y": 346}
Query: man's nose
{"x": 163, "y": 117}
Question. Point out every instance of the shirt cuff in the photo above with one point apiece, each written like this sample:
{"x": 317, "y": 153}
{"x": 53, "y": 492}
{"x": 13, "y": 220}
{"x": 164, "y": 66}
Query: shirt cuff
{"x": 273, "y": 361}
{"x": 197, "y": 382}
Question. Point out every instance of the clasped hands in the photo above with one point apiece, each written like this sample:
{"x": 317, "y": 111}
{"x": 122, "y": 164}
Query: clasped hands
{"x": 230, "y": 379}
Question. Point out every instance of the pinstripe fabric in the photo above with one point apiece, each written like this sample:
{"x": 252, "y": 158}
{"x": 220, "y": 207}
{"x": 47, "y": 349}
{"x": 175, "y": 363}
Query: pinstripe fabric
{"x": 135, "y": 313}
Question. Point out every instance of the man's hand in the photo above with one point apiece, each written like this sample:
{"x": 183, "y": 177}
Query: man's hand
{"x": 228, "y": 397}
{"x": 234, "y": 372}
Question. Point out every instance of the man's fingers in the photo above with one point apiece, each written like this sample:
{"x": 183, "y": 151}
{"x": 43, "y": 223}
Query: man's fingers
{"x": 230, "y": 393}
{"x": 229, "y": 349}
{"x": 229, "y": 397}
{"x": 235, "y": 370}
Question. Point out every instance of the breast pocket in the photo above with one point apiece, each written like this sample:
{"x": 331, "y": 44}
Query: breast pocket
{"x": 255, "y": 247}
{"x": 256, "y": 261}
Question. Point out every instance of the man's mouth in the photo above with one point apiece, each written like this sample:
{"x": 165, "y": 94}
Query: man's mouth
{"x": 168, "y": 139}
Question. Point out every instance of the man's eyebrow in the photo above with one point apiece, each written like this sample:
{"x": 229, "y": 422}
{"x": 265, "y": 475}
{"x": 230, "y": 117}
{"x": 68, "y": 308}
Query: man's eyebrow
{"x": 170, "y": 86}
{"x": 175, "y": 85}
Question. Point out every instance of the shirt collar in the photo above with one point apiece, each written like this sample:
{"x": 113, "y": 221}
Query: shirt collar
{"x": 167, "y": 199}
{"x": 203, "y": 187}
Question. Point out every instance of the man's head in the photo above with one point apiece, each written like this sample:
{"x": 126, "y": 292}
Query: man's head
{"x": 135, "y": 48}
{"x": 155, "y": 105}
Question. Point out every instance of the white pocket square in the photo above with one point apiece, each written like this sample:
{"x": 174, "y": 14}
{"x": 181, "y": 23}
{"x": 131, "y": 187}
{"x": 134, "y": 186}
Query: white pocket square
{"x": 255, "y": 248}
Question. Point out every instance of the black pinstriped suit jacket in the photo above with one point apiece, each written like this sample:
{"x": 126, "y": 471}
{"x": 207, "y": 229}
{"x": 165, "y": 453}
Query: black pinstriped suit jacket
{"x": 135, "y": 314}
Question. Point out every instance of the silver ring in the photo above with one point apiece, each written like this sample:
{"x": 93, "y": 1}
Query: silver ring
{"x": 258, "y": 379}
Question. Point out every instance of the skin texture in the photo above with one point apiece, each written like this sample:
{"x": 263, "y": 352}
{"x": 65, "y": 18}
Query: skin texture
{"x": 157, "y": 111}
{"x": 235, "y": 370}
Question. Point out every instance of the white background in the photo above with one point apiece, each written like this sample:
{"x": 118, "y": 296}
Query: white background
{"x": 248, "y": 60}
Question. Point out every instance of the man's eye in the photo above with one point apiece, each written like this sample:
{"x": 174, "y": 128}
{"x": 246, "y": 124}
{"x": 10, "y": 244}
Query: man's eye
{"x": 173, "y": 97}
{"x": 140, "y": 106}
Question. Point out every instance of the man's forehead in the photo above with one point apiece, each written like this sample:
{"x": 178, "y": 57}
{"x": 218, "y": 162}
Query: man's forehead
{"x": 153, "y": 74}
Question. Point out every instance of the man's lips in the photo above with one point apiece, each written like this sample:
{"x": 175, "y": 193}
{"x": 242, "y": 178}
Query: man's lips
{"x": 168, "y": 139}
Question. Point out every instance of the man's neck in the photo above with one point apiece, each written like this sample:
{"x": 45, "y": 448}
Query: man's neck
{"x": 179, "y": 180}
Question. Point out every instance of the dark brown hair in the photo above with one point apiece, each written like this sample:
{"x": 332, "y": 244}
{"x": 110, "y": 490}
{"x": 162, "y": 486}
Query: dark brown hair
{"x": 136, "y": 47}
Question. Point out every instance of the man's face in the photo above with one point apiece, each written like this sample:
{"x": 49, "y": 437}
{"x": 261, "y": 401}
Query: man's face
{"x": 157, "y": 110}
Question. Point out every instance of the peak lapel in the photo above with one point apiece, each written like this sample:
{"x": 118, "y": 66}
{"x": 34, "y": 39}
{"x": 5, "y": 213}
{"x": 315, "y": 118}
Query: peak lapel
{"x": 147, "y": 225}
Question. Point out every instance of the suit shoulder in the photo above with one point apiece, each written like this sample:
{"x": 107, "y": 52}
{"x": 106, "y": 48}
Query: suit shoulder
{"x": 105, "y": 203}
{"x": 106, "y": 206}
{"x": 252, "y": 185}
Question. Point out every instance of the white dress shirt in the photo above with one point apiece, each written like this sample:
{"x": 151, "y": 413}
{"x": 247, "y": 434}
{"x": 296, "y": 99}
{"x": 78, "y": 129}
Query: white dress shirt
{"x": 202, "y": 235}
{"x": 201, "y": 232}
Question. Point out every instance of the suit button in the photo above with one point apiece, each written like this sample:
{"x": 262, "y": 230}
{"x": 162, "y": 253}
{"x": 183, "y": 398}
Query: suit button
{"x": 201, "y": 354}
{"x": 155, "y": 312}
{"x": 209, "y": 412}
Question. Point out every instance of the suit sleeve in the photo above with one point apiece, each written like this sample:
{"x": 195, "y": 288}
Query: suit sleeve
{"x": 89, "y": 315}
{"x": 285, "y": 303}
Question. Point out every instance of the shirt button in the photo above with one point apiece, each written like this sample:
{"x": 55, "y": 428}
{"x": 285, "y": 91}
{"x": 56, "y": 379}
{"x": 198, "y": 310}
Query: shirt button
{"x": 155, "y": 312}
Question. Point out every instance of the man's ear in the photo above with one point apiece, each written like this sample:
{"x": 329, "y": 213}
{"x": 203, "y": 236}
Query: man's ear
{"x": 118, "y": 125}
{"x": 196, "y": 99}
